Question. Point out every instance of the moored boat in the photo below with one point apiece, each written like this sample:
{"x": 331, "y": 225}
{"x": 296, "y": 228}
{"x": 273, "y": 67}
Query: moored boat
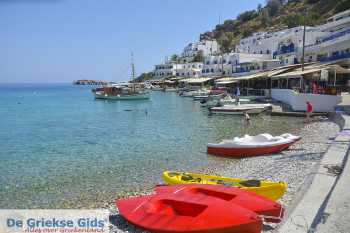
{"x": 175, "y": 212}
{"x": 269, "y": 189}
{"x": 227, "y": 100}
{"x": 269, "y": 210}
{"x": 240, "y": 109}
{"x": 261, "y": 144}
{"x": 120, "y": 93}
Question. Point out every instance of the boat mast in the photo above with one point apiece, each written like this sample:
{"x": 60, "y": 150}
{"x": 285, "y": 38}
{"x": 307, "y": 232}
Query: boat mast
{"x": 132, "y": 70}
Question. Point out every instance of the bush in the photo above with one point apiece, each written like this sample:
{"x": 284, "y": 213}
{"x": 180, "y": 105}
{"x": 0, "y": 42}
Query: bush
{"x": 246, "y": 16}
{"x": 273, "y": 7}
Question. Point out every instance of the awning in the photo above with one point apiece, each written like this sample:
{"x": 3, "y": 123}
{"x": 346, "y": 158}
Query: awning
{"x": 227, "y": 80}
{"x": 298, "y": 73}
{"x": 177, "y": 78}
{"x": 196, "y": 80}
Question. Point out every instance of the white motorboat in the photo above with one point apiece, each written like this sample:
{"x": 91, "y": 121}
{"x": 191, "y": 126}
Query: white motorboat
{"x": 194, "y": 93}
{"x": 228, "y": 100}
{"x": 252, "y": 145}
{"x": 210, "y": 96}
{"x": 240, "y": 109}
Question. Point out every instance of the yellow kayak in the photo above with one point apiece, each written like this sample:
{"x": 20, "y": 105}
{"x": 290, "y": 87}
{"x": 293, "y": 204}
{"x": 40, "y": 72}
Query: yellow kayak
{"x": 268, "y": 189}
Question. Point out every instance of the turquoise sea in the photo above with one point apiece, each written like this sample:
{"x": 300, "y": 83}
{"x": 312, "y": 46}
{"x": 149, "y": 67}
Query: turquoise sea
{"x": 62, "y": 148}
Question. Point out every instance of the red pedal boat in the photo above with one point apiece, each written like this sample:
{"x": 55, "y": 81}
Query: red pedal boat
{"x": 172, "y": 213}
{"x": 271, "y": 211}
{"x": 261, "y": 144}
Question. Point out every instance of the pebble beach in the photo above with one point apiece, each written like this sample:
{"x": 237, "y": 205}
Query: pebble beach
{"x": 294, "y": 166}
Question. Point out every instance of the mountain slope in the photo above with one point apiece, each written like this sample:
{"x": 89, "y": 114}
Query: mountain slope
{"x": 276, "y": 15}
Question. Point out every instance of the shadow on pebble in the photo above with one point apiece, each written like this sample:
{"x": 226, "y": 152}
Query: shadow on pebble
{"x": 267, "y": 227}
{"x": 120, "y": 223}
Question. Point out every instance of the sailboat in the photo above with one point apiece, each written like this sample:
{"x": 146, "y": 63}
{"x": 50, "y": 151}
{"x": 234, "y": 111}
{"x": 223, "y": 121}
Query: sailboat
{"x": 123, "y": 92}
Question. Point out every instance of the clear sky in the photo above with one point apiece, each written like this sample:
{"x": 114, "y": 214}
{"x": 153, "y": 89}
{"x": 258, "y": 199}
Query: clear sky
{"x": 65, "y": 40}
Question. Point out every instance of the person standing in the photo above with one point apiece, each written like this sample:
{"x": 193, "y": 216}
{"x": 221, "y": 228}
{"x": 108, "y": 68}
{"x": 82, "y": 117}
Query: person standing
{"x": 238, "y": 93}
{"x": 309, "y": 110}
{"x": 246, "y": 119}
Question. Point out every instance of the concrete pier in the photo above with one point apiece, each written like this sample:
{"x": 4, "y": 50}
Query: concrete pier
{"x": 325, "y": 205}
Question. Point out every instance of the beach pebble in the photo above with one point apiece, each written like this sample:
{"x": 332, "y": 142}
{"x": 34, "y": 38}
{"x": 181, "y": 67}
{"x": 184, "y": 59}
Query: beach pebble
{"x": 293, "y": 166}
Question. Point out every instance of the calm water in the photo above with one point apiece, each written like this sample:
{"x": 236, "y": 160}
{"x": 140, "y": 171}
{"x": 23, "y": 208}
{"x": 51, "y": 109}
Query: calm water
{"x": 62, "y": 148}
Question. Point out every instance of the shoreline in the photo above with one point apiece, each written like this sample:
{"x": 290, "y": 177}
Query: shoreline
{"x": 295, "y": 166}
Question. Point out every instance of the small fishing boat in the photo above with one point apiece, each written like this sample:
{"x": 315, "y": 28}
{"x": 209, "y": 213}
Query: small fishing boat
{"x": 168, "y": 212}
{"x": 261, "y": 144}
{"x": 269, "y": 189}
{"x": 227, "y": 100}
{"x": 128, "y": 91}
{"x": 120, "y": 93}
{"x": 240, "y": 109}
{"x": 209, "y": 96}
{"x": 194, "y": 93}
{"x": 269, "y": 210}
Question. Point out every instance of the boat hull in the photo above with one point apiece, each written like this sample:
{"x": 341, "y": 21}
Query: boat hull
{"x": 236, "y": 111}
{"x": 268, "y": 189}
{"x": 124, "y": 97}
{"x": 183, "y": 213}
{"x": 216, "y": 149}
{"x": 270, "y": 210}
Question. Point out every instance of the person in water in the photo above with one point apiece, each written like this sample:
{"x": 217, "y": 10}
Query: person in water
{"x": 246, "y": 119}
{"x": 309, "y": 110}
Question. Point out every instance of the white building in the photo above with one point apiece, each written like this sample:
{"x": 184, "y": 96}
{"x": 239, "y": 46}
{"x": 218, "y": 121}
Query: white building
{"x": 284, "y": 45}
{"x": 193, "y": 69}
{"x": 172, "y": 69}
{"x": 322, "y": 43}
{"x": 335, "y": 43}
{"x": 235, "y": 64}
{"x": 208, "y": 47}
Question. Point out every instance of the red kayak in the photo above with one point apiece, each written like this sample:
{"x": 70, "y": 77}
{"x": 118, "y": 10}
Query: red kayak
{"x": 270, "y": 210}
{"x": 261, "y": 144}
{"x": 169, "y": 212}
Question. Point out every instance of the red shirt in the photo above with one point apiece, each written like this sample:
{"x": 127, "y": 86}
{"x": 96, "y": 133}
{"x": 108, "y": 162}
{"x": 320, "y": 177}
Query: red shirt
{"x": 309, "y": 107}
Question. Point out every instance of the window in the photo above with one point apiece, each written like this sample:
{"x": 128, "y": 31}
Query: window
{"x": 177, "y": 74}
{"x": 208, "y": 63}
{"x": 215, "y": 62}
{"x": 212, "y": 70}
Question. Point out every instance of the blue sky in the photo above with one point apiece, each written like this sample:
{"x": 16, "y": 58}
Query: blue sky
{"x": 65, "y": 40}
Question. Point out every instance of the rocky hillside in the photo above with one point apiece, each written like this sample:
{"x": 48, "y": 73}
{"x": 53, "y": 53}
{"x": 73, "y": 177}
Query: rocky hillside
{"x": 275, "y": 15}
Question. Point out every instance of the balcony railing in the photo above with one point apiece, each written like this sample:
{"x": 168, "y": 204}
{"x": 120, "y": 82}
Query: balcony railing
{"x": 335, "y": 57}
{"x": 331, "y": 37}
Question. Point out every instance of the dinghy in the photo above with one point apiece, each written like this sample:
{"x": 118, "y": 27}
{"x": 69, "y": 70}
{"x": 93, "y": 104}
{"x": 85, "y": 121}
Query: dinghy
{"x": 170, "y": 212}
{"x": 240, "y": 109}
{"x": 269, "y": 210}
{"x": 268, "y": 189}
{"x": 261, "y": 144}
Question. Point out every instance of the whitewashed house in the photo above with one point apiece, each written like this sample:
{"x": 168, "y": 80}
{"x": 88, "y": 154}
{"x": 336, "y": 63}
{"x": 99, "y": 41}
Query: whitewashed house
{"x": 335, "y": 42}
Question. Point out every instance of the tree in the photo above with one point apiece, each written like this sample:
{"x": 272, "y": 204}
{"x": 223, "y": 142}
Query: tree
{"x": 247, "y": 15}
{"x": 293, "y": 20}
{"x": 199, "y": 56}
{"x": 273, "y": 7}
{"x": 144, "y": 77}
{"x": 174, "y": 57}
{"x": 259, "y": 8}
{"x": 265, "y": 18}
